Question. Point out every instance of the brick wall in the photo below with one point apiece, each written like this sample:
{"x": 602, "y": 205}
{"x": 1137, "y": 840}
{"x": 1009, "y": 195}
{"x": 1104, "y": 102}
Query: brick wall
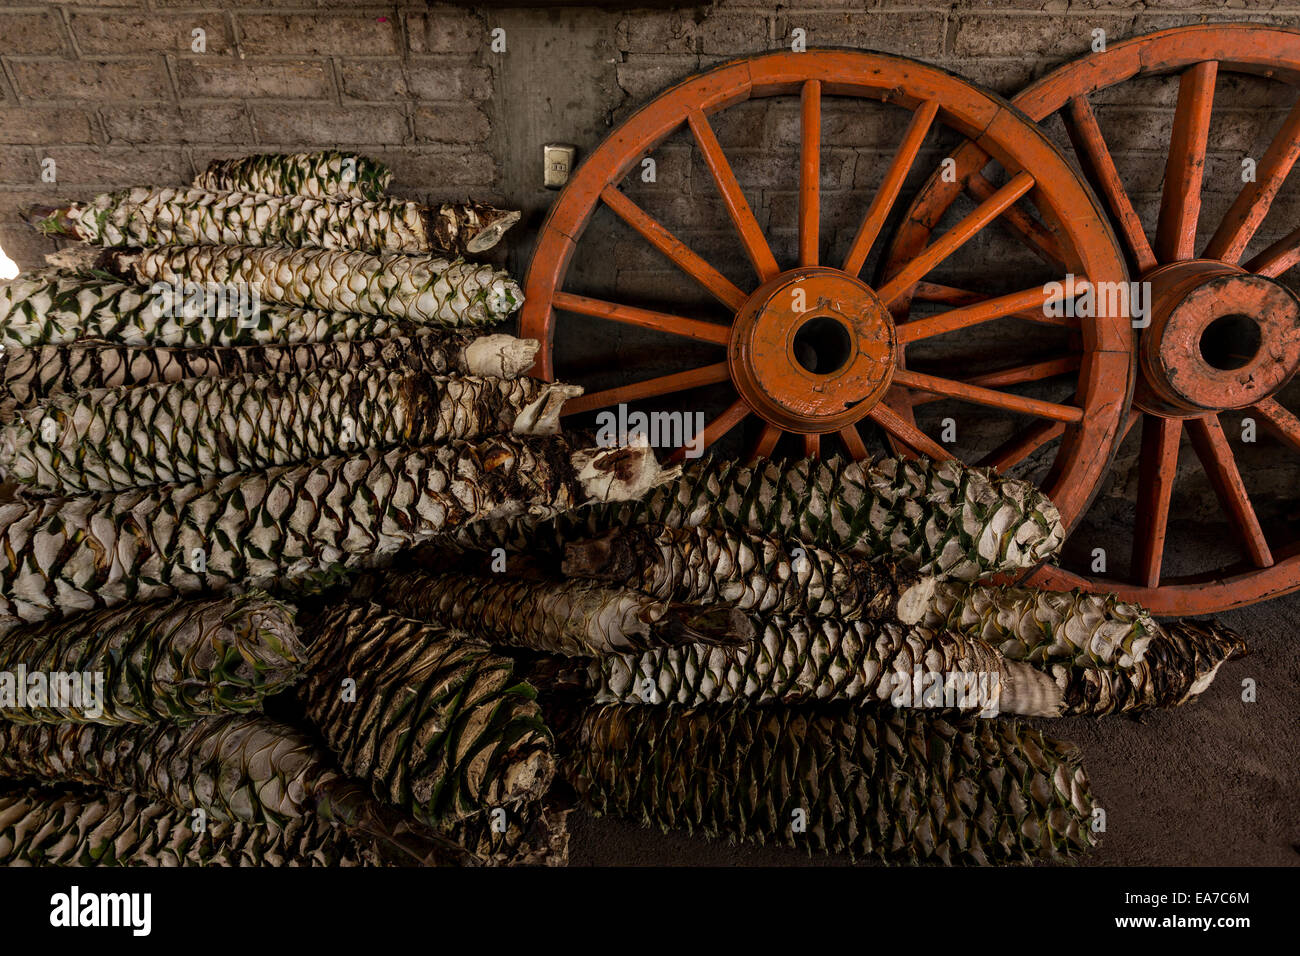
{"x": 115, "y": 94}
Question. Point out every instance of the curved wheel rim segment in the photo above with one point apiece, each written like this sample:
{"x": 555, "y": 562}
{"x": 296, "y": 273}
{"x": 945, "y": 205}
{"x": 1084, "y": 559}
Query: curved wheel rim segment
{"x": 766, "y": 381}
{"x": 1178, "y": 392}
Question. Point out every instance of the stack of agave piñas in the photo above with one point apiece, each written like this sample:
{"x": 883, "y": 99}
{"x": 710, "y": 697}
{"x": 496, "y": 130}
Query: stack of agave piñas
{"x": 807, "y": 654}
{"x": 286, "y": 377}
{"x": 873, "y": 705}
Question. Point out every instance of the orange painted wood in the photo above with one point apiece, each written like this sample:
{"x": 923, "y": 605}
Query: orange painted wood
{"x": 644, "y": 318}
{"x": 810, "y": 171}
{"x": 649, "y": 388}
{"x": 1250, "y": 207}
{"x": 1281, "y": 422}
{"x": 681, "y": 255}
{"x": 1029, "y": 230}
{"x": 1020, "y": 446}
{"x": 1015, "y": 375}
{"x": 878, "y": 212}
{"x": 956, "y": 237}
{"x": 853, "y": 442}
{"x": 715, "y": 429}
{"x": 751, "y": 236}
{"x": 1099, "y": 165}
{"x": 766, "y": 442}
{"x": 966, "y": 316}
{"x": 1278, "y": 257}
{"x": 907, "y": 433}
{"x": 1212, "y": 447}
{"x": 1158, "y": 470}
{"x": 1180, "y": 202}
{"x": 988, "y": 397}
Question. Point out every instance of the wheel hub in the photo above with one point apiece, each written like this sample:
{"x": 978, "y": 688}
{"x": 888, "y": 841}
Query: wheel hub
{"x": 812, "y": 350}
{"x": 1219, "y": 338}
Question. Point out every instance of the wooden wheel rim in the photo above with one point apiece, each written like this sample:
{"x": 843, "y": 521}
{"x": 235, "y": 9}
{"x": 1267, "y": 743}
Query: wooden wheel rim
{"x": 1092, "y": 426}
{"x": 1242, "y": 48}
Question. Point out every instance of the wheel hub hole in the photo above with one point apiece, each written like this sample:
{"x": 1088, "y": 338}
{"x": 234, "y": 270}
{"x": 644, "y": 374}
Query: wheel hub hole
{"x": 1230, "y": 342}
{"x": 822, "y": 345}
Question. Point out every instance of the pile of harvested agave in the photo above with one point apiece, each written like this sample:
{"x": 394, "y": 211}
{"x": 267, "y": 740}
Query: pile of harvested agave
{"x": 319, "y": 582}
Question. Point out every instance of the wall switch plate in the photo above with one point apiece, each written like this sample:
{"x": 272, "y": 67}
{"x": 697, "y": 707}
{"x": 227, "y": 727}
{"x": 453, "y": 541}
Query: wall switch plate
{"x": 557, "y": 160}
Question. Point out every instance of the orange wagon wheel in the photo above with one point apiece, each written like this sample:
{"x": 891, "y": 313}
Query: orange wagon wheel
{"x": 759, "y": 325}
{"x": 1224, "y": 335}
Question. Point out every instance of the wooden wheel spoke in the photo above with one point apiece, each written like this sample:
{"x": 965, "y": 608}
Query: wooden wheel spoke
{"x": 907, "y": 433}
{"x": 630, "y": 315}
{"x": 649, "y": 388}
{"x": 853, "y": 442}
{"x": 951, "y": 295}
{"x": 1278, "y": 257}
{"x": 1021, "y": 445}
{"x": 1250, "y": 207}
{"x": 766, "y": 442}
{"x": 952, "y": 240}
{"x": 965, "y": 316}
{"x": 681, "y": 255}
{"x": 1025, "y": 227}
{"x": 751, "y": 236}
{"x": 1157, "y": 471}
{"x": 1132, "y": 418}
{"x": 1212, "y": 448}
{"x": 717, "y": 428}
{"x": 987, "y": 396}
{"x": 1015, "y": 375}
{"x": 1029, "y": 372}
{"x": 1180, "y": 201}
{"x": 1098, "y": 164}
{"x": 810, "y": 161}
{"x": 883, "y": 202}
{"x": 1280, "y": 421}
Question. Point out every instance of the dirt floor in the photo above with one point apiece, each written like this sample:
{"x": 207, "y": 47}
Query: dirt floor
{"x": 1212, "y": 783}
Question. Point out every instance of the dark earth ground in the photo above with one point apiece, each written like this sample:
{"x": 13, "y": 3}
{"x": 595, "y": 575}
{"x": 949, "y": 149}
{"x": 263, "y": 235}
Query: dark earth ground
{"x": 1216, "y": 782}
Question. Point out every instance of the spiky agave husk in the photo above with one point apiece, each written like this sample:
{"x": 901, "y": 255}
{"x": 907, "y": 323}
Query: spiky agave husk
{"x": 470, "y": 227}
{"x": 532, "y": 834}
{"x": 1046, "y": 627}
{"x": 75, "y": 827}
{"x": 572, "y": 618}
{"x": 68, "y": 554}
{"x": 897, "y": 785}
{"x": 439, "y": 727}
{"x": 159, "y": 660}
{"x": 189, "y": 216}
{"x": 122, "y": 438}
{"x": 808, "y": 660}
{"x": 1180, "y": 662}
{"x": 28, "y": 375}
{"x": 1105, "y": 655}
{"x": 320, "y": 175}
{"x": 939, "y": 519}
{"x": 424, "y": 289}
{"x": 231, "y": 766}
{"x": 755, "y": 572}
{"x": 57, "y": 307}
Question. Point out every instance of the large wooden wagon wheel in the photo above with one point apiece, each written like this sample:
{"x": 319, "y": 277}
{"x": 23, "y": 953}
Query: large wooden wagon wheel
{"x": 1224, "y": 333}
{"x": 808, "y": 347}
